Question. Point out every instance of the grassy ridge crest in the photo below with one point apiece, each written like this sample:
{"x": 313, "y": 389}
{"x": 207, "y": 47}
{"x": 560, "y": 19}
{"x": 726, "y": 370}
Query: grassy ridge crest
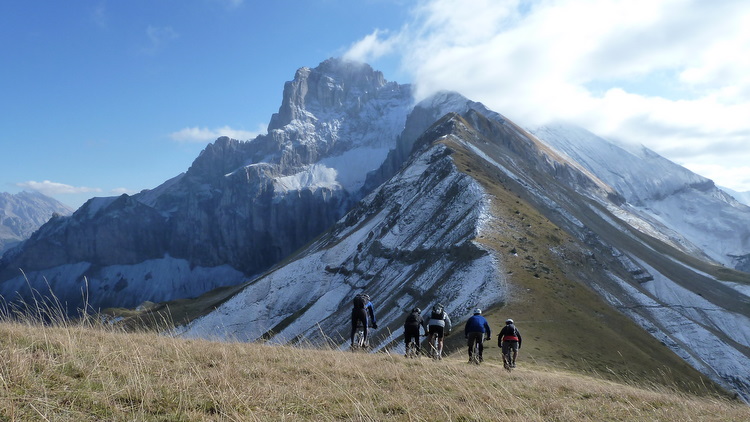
{"x": 82, "y": 372}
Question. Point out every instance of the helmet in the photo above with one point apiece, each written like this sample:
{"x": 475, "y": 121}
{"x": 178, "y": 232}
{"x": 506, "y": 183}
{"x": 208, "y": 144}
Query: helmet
{"x": 508, "y": 321}
{"x": 438, "y": 307}
{"x": 477, "y": 311}
{"x": 416, "y": 311}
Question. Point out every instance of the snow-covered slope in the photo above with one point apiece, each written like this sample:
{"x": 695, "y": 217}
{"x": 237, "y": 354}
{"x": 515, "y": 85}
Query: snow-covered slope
{"x": 401, "y": 244}
{"x": 695, "y": 214}
{"x": 743, "y": 197}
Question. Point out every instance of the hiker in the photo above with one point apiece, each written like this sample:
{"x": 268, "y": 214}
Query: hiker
{"x": 362, "y": 312}
{"x": 509, "y": 340}
{"x": 411, "y": 329}
{"x": 439, "y": 326}
{"x": 476, "y": 330}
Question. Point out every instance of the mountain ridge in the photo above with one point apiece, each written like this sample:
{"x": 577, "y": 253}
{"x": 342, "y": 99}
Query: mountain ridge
{"x": 276, "y": 224}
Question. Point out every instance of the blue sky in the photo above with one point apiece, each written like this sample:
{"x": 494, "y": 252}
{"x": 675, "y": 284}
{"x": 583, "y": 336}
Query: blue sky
{"x": 101, "y": 97}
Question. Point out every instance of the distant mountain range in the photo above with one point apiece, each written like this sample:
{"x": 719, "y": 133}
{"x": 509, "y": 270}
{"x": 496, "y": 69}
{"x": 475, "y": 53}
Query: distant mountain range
{"x": 24, "y": 212}
{"x": 356, "y": 188}
{"x": 743, "y": 197}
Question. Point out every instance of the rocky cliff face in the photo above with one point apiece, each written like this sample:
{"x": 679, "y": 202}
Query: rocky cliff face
{"x": 242, "y": 204}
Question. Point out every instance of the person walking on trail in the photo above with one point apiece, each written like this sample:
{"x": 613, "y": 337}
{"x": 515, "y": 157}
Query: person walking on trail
{"x": 439, "y": 326}
{"x": 477, "y": 329}
{"x": 411, "y": 328}
{"x": 509, "y": 340}
{"x": 363, "y": 312}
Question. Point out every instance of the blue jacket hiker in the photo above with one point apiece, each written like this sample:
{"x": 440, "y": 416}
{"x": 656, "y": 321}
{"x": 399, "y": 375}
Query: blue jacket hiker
{"x": 476, "y": 331}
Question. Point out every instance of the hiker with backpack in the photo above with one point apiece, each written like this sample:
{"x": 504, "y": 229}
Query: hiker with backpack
{"x": 476, "y": 330}
{"x": 439, "y": 326}
{"x": 362, "y": 312}
{"x": 509, "y": 340}
{"x": 411, "y": 329}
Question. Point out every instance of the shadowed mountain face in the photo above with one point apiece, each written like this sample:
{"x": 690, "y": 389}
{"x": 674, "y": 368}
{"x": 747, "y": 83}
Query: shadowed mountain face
{"x": 354, "y": 188}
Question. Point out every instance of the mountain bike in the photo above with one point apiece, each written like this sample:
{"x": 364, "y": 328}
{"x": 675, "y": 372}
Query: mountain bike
{"x": 476, "y": 343}
{"x": 508, "y": 360}
{"x": 360, "y": 342}
{"x": 412, "y": 349}
{"x": 434, "y": 351}
{"x": 475, "y": 353}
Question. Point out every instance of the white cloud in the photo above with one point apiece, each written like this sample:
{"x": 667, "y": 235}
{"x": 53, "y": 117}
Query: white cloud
{"x": 736, "y": 177}
{"x": 52, "y": 188}
{"x": 205, "y": 135}
{"x": 120, "y": 191}
{"x": 370, "y": 48}
{"x": 667, "y": 74}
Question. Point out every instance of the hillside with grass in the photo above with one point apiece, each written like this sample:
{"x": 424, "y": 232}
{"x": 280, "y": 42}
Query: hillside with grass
{"x": 88, "y": 372}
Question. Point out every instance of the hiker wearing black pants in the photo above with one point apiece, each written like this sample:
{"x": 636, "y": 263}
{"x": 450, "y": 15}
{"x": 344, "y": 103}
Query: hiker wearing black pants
{"x": 411, "y": 328}
{"x": 476, "y": 331}
{"x": 362, "y": 312}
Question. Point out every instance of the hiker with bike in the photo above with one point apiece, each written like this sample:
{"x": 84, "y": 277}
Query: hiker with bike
{"x": 411, "y": 330}
{"x": 363, "y": 312}
{"x": 509, "y": 340}
{"x": 477, "y": 329}
{"x": 439, "y": 325}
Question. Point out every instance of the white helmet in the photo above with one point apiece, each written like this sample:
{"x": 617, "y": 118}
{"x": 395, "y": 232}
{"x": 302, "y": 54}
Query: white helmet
{"x": 508, "y": 321}
{"x": 477, "y": 311}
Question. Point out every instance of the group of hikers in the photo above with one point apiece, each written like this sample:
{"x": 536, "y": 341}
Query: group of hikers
{"x": 439, "y": 325}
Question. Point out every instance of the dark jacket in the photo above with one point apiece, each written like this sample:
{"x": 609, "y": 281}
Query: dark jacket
{"x": 415, "y": 320}
{"x": 509, "y": 333}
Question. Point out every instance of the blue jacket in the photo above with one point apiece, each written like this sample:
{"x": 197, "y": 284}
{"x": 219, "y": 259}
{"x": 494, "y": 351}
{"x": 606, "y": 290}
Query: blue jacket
{"x": 477, "y": 324}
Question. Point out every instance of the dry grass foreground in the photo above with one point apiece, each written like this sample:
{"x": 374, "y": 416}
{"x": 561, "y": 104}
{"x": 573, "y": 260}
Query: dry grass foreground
{"x": 76, "y": 373}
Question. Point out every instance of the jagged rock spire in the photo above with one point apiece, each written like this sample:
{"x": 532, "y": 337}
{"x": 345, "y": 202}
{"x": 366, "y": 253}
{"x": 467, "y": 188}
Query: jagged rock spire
{"x": 333, "y": 84}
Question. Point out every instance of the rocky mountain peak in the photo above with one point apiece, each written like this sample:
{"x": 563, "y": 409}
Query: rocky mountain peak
{"x": 335, "y": 85}
{"x": 219, "y": 158}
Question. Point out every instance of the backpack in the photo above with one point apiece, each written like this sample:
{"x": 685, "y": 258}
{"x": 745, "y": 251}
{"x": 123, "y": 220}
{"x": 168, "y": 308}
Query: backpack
{"x": 412, "y": 319}
{"x": 360, "y": 301}
{"x": 513, "y": 331}
{"x": 437, "y": 314}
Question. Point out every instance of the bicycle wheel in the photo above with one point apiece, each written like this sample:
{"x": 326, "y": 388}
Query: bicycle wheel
{"x": 411, "y": 350}
{"x": 359, "y": 340}
{"x": 434, "y": 349}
